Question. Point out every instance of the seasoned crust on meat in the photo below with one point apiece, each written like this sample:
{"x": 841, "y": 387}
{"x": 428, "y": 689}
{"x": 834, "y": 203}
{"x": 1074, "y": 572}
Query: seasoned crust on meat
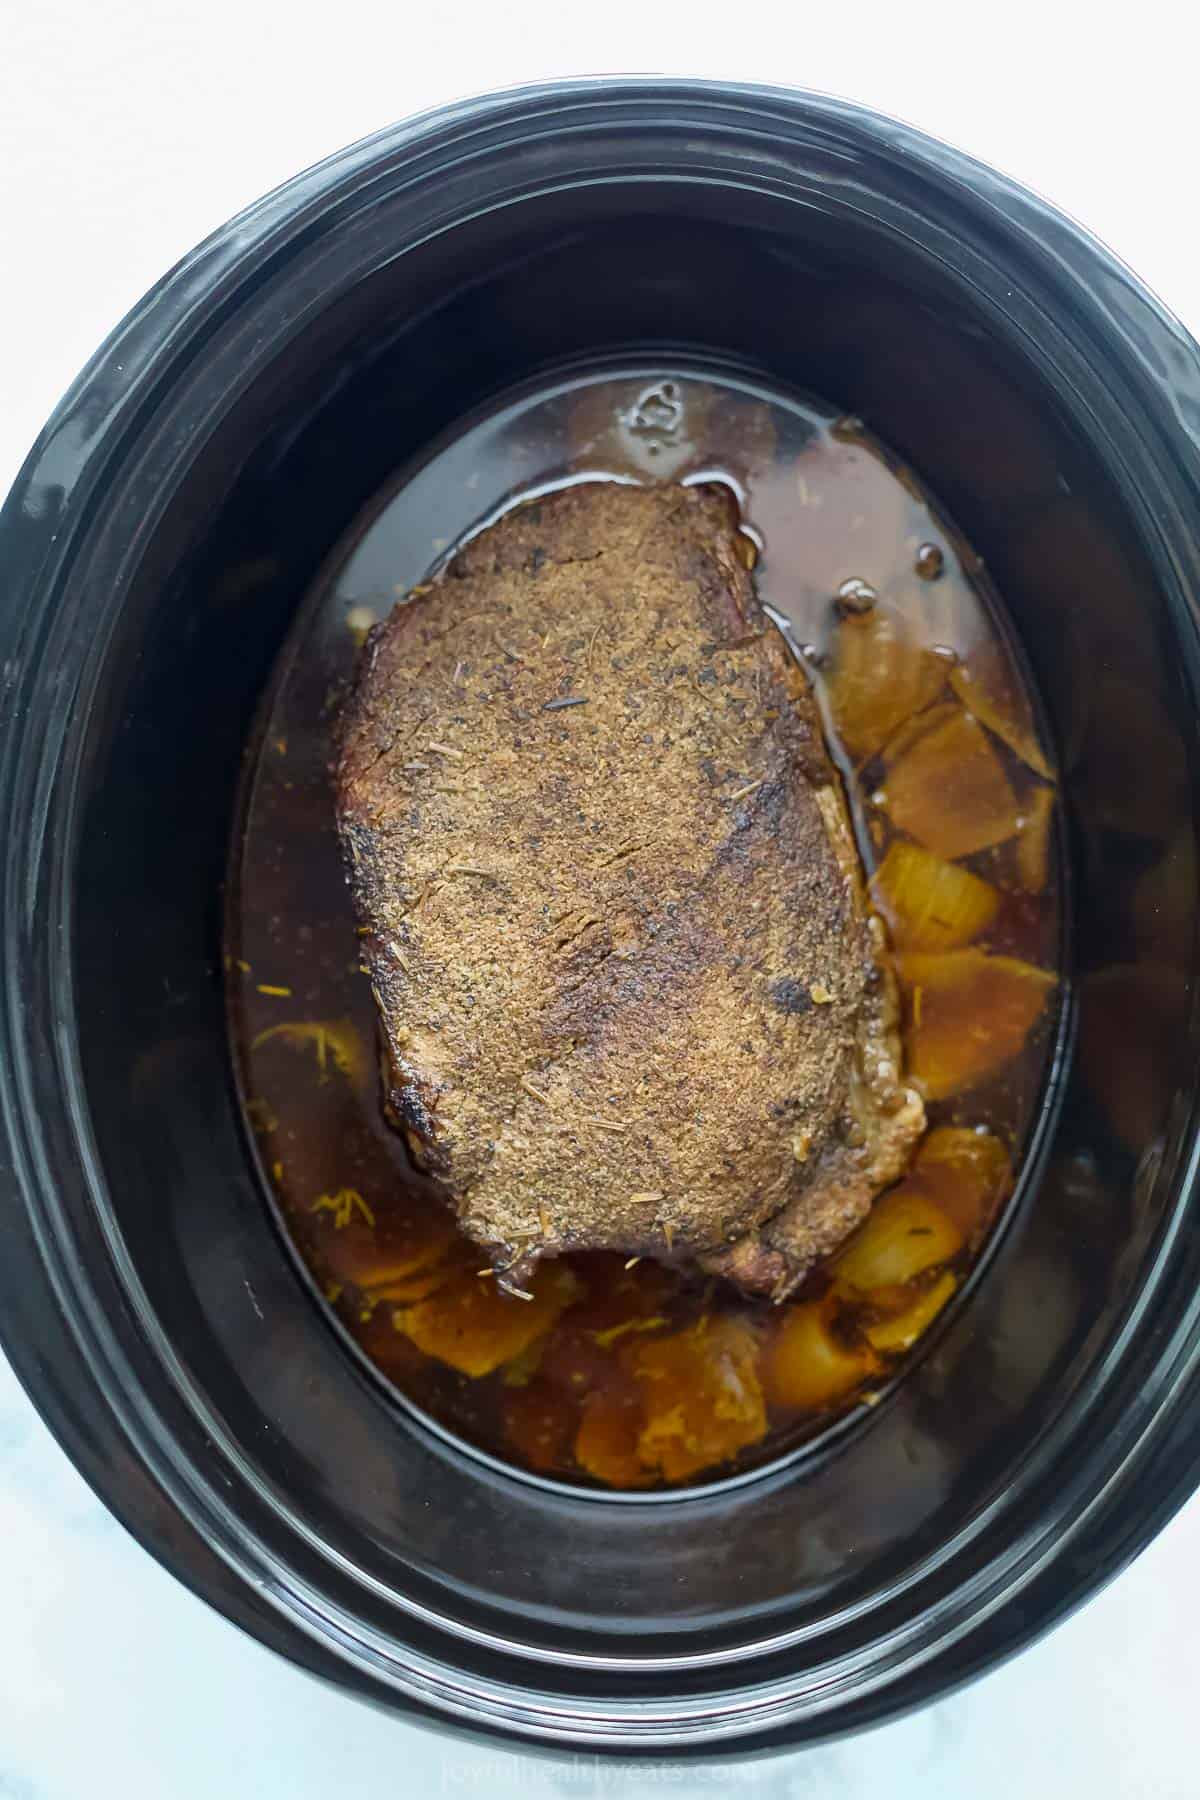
{"x": 630, "y": 993}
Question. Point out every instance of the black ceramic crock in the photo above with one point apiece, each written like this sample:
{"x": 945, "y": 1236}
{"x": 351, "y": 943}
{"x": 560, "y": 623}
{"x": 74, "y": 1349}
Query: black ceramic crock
{"x": 152, "y": 554}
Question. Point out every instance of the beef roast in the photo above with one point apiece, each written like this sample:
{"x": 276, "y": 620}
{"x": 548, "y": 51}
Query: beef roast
{"x": 631, "y": 995}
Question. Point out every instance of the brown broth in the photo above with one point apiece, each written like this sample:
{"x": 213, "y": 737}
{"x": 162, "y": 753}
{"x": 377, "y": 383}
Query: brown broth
{"x": 611, "y": 1375}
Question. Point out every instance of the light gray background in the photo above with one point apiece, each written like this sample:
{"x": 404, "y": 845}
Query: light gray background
{"x": 127, "y": 132}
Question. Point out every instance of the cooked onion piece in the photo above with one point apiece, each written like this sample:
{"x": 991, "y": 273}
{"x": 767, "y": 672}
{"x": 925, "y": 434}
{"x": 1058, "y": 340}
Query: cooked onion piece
{"x": 902, "y": 1331}
{"x": 931, "y": 904}
{"x": 474, "y": 1327}
{"x": 882, "y": 674}
{"x": 987, "y": 685}
{"x": 948, "y": 788}
{"x": 904, "y": 1235}
{"x": 969, "y": 1014}
{"x": 607, "y": 1439}
{"x": 806, "y": 1365}
{"x": 701, "y": 1393}
{"x": 409, "y": 1270}
{"x": 410, "y": 1288}
{"x": 968, "y": 1173}
{"x": 387, "y": 1257}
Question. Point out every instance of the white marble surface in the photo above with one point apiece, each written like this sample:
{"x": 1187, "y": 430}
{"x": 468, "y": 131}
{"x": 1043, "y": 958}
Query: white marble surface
{"x": 126, "y": 133}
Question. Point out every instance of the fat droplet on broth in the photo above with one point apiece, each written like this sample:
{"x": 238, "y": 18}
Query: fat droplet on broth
{"x": 650, "y": 430}
{"x": 657, "y": 410}
{"x": 855, "y": 596}
{"x": 654, "y": 430}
